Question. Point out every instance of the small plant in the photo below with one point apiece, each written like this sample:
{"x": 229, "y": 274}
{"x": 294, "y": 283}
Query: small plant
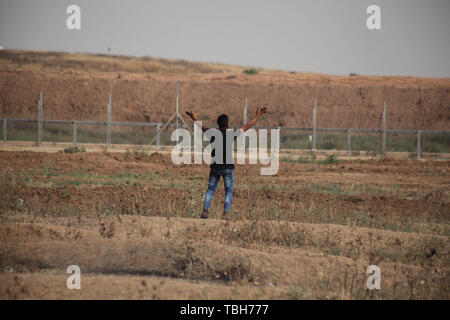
{"x": 48, "y": 169}
{"x": 335, "y": 251}
{"x": 106, "y": 232}
{"x": 293, "y": 293}
{"x": 74, "y": 150}
{"x": 331, "y": 159}
{"x": 250, "y": 72}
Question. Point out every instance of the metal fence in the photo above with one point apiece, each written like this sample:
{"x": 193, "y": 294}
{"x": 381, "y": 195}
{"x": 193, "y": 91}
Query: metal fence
{"x": 159, "y": 126}
{"x": 76, "y": 123}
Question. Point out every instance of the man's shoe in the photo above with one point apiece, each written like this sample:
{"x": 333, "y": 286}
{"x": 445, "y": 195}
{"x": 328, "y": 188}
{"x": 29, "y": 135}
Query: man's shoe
{"x": 226, "y": 215}
{"x": 204, "y": 214}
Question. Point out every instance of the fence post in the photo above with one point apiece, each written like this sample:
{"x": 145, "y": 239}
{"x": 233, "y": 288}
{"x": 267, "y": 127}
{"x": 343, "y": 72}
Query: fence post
{"x": 349, "y": 142}
{"x": 383, "y": 146}
{"x": 158, "y": 129}
{"x": 176, "y": 106}
{"x": 245, "y": 121}
{"x": 40, "y": 120}
{"x": 75, "y": 143}
{"x": 314, "y": 127}
{"x": 245, "y": 112}
{"x": 419, "y": 133}
{"x": 108, "y": 124}
{"x": 4, "y": 131}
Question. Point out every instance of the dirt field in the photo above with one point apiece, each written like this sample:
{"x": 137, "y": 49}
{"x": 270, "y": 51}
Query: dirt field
{"x": 76, "y": 87}
{"x": 130, "y": 222}
{"x": 130, "y": 219}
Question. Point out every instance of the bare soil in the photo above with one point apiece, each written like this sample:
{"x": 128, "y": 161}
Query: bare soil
{"x": 130, "y": 221}
{"x": 343, "y": 102}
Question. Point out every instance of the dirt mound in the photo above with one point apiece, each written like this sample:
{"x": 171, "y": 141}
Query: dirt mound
{"x": 159, "y": 158}
{"x": 175, "y": 249}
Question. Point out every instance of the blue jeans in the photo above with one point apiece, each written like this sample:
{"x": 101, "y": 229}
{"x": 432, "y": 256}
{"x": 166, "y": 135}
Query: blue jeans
{"x": 228, "y": 181}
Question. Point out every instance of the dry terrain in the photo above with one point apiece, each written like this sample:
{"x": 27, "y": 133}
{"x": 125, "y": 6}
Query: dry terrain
{"x": 76, "y": 87}
{"x": 130, "y": 222}
{"x": 130, "y": 219}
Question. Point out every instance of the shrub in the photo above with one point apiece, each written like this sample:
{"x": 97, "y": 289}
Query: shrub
{"x": 250, "y": 72}
{"x": 331, "y": 159}
{"x": 74, "y": 150}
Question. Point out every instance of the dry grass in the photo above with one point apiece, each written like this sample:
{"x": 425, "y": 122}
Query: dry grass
{"x": 61, "y": 61}
{"x": 173, "y": 251}
{"x": 136, "y": 226}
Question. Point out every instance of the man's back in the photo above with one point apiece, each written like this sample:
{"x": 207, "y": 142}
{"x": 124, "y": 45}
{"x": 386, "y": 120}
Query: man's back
{"x": 227, "y": 150}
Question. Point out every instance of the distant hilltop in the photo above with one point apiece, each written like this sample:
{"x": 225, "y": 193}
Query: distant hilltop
{"x": 62, "y": 61}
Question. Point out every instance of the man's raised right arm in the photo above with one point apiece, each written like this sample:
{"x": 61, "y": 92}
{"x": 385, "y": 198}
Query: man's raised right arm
{"x": 251, "y": 123}
{"x": 194, "y": 118}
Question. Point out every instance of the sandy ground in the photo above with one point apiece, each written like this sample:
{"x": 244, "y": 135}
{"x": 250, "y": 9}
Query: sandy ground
{"x": 54, "y": 147}
{"x": 130, "y": 222}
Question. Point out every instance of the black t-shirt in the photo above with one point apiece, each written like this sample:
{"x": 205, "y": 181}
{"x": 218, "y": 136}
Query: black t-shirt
{"x": 224, "y": 165}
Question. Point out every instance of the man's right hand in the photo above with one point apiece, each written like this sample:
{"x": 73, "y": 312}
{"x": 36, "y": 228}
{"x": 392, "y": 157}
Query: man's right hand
{"x": 191, "y": 115}
{"x": 261, "y": 111}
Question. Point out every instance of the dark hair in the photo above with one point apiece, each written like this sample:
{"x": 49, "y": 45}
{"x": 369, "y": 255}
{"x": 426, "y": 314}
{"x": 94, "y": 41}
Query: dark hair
{"x": 222, "y": 121}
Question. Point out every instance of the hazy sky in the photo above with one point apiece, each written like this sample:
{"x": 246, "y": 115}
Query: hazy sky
{"x": 326, "y": 36}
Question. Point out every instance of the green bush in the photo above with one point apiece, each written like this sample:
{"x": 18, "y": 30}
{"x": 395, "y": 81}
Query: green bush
{"x": 250, "y": 72}
{"x": 74, "y": 150}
